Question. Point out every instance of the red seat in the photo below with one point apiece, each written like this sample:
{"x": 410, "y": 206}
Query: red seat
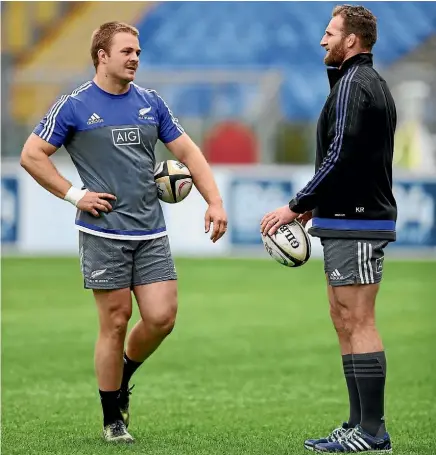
{"x": 231, "y": 143}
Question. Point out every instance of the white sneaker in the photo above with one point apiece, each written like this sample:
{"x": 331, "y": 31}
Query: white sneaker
{"x": 117, "y": 432}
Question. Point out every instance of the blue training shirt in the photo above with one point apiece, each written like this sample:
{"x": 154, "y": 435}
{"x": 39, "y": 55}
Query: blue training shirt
{"x": 111, "y": 141}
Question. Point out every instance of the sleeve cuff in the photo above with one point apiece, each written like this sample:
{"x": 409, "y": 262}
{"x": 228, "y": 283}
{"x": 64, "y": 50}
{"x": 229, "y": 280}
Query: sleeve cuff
{"x": 295, "y": 207}
{"x": 172, "y": 137}
{"x": 52, "y": 141}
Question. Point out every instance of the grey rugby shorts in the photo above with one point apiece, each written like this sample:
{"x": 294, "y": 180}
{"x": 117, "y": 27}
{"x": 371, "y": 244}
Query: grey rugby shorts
{"x": 117, "y": 264}
{"x": 353, "y": 261}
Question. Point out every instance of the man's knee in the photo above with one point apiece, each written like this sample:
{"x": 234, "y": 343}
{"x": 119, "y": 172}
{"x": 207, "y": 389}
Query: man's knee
{"x": 162, "y": 320}
{"x": 353, "y": 307}
{"x": 115, "y": 311}
{"x": 158, "y": 306}
{"x": 341, "y": 317}
{"x": 119, "y": 321}
{"x": 338, "y": 312}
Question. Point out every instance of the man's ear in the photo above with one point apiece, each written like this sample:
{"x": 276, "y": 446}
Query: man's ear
{"x": 102, "y": 55}
{"x": 351, "y": 40}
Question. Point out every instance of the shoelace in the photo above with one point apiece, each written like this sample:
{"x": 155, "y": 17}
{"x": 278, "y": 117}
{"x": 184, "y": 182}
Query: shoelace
{"x": 348, "y": 435}
{"x": 127, "y": 392}
{"x": 337, "y": 433}
{"x": 117, "y": 427}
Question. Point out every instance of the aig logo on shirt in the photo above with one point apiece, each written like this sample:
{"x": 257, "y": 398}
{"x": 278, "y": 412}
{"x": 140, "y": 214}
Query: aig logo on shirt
{"x": 126, "y": 136}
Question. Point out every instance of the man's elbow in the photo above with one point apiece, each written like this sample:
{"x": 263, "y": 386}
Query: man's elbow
{"x": 185, "y": 149}
{"x": 25, "y": 158}
{"x": 28, "y": 157}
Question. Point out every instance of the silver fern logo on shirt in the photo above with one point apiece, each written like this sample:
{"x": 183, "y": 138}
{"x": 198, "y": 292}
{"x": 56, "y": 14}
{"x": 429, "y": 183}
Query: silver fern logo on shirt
{"x": 143, "y": 113}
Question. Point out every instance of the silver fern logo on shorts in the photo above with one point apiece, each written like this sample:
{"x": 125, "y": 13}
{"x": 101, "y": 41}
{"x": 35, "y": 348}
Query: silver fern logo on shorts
{"x": 97, "y": 273}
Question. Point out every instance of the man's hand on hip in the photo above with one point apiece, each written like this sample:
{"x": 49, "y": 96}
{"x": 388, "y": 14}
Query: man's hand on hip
{"x": 95, "y": 202}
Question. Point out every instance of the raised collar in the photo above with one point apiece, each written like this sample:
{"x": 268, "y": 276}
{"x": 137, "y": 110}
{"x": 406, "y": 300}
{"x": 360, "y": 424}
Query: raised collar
{"x": 334, "y": 74}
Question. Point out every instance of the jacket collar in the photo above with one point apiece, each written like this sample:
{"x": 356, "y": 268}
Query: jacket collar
{"x": 334, "y": 74}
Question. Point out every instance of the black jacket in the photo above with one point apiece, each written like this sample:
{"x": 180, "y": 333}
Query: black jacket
{"x": 351, "y": 191}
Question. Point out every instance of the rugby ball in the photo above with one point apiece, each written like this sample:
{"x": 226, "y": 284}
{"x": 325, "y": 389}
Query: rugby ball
{"x": 173, "y": 180}
{"x": 290, "y": 245}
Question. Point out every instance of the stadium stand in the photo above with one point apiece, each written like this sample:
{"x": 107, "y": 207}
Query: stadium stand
{"x": 283, "y": 35}
{"x": 201, "y": 37}
{"x": 27, "y": 23}
{"x": 58, "y": 56}
{"x": 235, "y": 35}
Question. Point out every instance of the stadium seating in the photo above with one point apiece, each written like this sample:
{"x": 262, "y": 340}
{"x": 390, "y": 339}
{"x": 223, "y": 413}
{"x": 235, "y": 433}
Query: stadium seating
{"x": 283, "y": 35}
{"x": 26, "y": 23}
{"x": 201, "y": 35}
{"x": 67, "y": 50}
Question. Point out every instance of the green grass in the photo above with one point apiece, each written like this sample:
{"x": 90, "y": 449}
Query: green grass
{"x": 252, "y": 366}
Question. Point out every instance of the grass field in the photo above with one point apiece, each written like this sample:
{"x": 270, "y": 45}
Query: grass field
{"x": 252, "y": 366}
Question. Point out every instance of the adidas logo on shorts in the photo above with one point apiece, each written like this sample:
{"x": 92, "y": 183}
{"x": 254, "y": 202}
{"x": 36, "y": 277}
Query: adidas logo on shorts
{"x": 335, "y": 275}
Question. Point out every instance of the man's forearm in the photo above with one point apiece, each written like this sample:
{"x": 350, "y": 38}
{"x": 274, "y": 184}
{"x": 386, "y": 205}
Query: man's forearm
{"x": 40, "y": 167}
{"x": 203, "y": 177}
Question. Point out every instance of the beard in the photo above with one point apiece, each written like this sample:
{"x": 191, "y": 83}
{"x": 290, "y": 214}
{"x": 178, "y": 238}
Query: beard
{"x": 336, "y": 55}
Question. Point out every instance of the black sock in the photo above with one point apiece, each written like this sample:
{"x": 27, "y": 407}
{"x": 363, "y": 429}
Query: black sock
{"x": 109, "y": 403}
{"x": 370, "y": 371}
{"x": 130, "y": 366}
{"x": 353, "y": 391}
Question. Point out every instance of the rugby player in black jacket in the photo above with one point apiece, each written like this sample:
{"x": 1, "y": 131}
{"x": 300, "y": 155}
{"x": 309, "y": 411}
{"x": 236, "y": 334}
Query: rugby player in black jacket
{"x": 354, "y": 212}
